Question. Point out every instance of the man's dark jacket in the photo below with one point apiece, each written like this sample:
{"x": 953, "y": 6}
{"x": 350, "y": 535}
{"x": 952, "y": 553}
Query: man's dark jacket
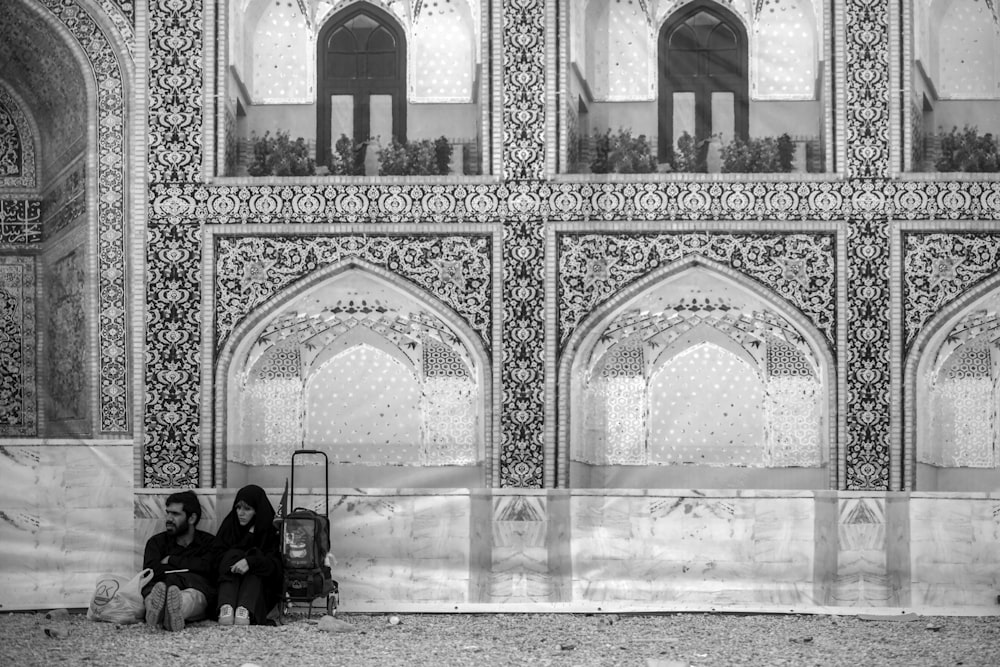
{"x": 196, "y": 558}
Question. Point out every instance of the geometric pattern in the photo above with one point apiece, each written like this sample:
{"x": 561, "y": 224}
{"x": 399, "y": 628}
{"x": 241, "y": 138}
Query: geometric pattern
{"x": 798, "y": 267}
{"x": 940, "y": 268}
{"x": 861, "y": 195}
{"x": 21, "y": 174}
{"x": 18, "y": 400}
{"x": 455, "y": 269}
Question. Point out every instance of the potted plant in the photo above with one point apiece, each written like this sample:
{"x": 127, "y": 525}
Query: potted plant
{"x": 690, "y": 156}
{"x": 966, "y": 150}
{"x": 347, "y": 157}
{"x": 415, "y": 158}
{"x": 621, "y": 153}
{"x": 280, "y": 156}
{"x": 765, "y": 155}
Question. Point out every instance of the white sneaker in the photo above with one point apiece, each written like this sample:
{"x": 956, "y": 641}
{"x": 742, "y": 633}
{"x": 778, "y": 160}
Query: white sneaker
{"x": 242, "y": 616}
{"x": 226, "y": 614}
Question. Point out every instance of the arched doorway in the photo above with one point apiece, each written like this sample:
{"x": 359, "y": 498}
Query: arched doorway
{"x": 703, "y": 81}
{"x": 361, "y": 86}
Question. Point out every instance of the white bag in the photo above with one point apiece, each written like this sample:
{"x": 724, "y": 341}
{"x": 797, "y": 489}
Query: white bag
{"x": 118, "y": 599}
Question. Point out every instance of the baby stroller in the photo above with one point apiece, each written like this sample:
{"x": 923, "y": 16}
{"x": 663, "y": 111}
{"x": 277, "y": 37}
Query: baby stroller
{"x": 305, "y": 550}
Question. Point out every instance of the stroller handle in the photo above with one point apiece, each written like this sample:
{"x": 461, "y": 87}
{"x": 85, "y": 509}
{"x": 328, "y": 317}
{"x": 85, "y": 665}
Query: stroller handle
{"x": 326, "y": 475}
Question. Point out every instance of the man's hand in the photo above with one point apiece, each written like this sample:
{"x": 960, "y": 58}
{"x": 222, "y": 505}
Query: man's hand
{"x": 240, "y": 567}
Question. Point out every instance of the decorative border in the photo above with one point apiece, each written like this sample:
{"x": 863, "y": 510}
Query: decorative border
{"x": 524, "y": 69}
{"x": 122, "y": 14}
{"x": 24, "y": 313}
{"x": 113, "y": 367}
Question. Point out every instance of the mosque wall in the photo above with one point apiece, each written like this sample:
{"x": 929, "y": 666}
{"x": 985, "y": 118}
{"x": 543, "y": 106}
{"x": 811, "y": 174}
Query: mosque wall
{"x": 867, "y": 259}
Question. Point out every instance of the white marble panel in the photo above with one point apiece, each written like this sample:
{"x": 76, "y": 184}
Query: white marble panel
{"x": 954, "y": 550}
{"x": 65, "y": 518}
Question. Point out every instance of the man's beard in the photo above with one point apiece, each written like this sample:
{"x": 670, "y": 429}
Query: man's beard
{"x": 179, "y": 528}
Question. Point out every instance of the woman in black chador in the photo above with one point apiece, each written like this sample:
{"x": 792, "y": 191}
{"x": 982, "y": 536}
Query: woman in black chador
{"x": 248, "y": 560}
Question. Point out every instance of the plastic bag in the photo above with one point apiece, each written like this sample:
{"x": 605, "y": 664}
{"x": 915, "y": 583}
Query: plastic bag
{"x": 118, "y": 599}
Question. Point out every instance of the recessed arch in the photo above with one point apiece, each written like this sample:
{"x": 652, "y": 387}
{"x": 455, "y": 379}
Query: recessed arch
{"x": 920, "y": 366}
{"x": 592, "y": 333}
{"x": 84, "y": 51}
{"x": 440, "y": 323}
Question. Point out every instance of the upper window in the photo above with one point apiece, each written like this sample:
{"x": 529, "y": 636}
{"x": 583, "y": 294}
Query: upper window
{"x": 353, "y": 88}
{"x": 953, "y": 106}
{"x": 700, "y": 86}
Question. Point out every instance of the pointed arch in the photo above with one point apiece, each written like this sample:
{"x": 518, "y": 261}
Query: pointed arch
{"x": 361, "y": 74}
{"x": 94, "y": 60}
{"x": 719, "y": 280}
{"x": 702, "y": 57}
{"x": 451, "y": 327}
{"x": 920, "y": 369}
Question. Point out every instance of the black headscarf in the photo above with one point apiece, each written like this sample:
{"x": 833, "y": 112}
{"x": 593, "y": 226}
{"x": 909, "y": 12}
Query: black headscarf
{"x": 232, "y": 534}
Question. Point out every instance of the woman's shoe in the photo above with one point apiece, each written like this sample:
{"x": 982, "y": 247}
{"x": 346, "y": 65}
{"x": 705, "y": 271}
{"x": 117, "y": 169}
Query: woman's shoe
{"x": 242, "y": 616}
{"x": 226, "y": 614}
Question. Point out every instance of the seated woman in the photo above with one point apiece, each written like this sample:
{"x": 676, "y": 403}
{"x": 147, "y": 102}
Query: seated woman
{"x": 248, "y": 560}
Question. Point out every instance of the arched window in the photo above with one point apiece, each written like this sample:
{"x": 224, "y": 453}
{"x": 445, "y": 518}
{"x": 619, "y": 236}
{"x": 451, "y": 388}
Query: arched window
{"x": 704, "y": 86}
{"x": 361, "y": 70}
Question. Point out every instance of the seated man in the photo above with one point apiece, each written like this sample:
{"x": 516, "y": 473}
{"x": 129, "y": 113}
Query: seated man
{"x": 181, "y": 559}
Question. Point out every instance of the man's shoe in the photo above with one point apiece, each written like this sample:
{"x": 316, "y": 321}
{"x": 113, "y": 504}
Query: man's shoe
{"x": 242, "y": 616}
{"x": 226, "y": 614}
{"x": 155, "y": 603}
{"x": 173, "y": 619}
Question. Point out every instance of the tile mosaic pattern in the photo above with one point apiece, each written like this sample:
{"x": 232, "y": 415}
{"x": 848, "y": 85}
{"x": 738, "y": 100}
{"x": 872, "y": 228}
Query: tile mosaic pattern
{"x": 180, "y": 203}
{"x": 799, "y": 267}
{"x": 454, "y": 269}
{"x": 20, "y": 221}
{"x": 17, "y": 144}
{"x": 939, "y": 268}
{"x": 18, "y": 384}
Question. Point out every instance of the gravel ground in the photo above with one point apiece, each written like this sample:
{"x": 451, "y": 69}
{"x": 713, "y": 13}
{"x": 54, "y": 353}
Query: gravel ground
{"x": 486, "y": 640}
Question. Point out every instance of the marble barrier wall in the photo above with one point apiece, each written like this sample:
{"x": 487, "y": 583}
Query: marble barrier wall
{"x": 65, "y": 518}
{"x": 69, "y": 513}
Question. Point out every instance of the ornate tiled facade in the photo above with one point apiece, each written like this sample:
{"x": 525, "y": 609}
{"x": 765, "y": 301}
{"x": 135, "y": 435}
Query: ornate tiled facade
{"x": 869, "y": 306}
